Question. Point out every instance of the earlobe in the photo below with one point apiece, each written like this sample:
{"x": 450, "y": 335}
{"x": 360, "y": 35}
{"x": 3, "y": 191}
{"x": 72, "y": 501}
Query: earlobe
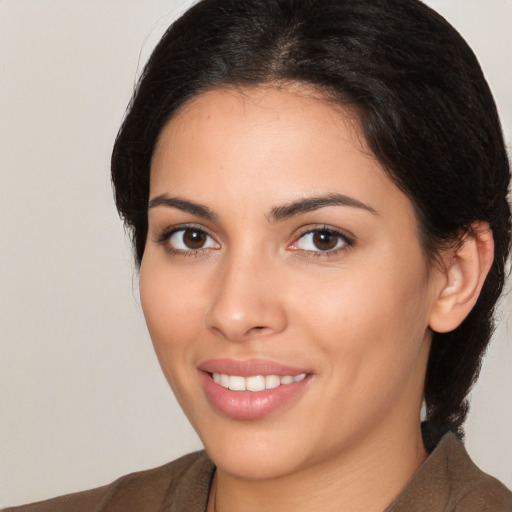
{"x": 462, "y": 278}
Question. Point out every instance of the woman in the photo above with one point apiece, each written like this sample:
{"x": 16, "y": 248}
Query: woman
{"x": 317, "y": 196}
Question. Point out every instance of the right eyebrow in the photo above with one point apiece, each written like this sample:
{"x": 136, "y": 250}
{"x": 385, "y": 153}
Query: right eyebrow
{"x": 182, "y": 204}
{"x": 310, "y": 204}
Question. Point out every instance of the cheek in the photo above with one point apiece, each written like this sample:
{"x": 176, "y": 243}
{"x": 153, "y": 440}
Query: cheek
{"x": 171, "y": 309}
{"x": 369, "y": 316}
{"x": 370, "y": 336}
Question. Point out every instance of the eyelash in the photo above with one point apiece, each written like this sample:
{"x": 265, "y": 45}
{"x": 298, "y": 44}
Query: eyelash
{"x": 167, "y": 234}
{"x": 347, "y": 241}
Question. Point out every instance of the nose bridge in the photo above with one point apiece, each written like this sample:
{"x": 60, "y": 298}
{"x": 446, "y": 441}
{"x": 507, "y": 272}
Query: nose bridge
{"x": 246, "y": 301}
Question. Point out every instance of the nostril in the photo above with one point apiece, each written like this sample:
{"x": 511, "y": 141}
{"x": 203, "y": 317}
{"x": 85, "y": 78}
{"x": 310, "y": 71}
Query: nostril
{"x": 235, "y": 321}
{"x": 258, "y": 329}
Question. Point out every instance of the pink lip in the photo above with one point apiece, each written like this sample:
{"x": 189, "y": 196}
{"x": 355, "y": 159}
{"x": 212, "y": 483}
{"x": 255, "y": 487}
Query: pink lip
{"x": 249, "y": 367}
{"x": 249, "y": 405}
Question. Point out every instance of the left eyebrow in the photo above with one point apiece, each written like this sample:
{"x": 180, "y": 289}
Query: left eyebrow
{"x": 310, "y": 204}
{"x": 182, "y": 204}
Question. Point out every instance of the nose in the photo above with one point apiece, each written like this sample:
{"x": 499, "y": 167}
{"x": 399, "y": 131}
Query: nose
{"x": 247, "y": 302}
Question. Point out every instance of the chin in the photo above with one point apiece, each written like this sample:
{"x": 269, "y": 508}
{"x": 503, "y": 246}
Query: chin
{"x": 251, "y": 452}
{"x": 255, "y": 463}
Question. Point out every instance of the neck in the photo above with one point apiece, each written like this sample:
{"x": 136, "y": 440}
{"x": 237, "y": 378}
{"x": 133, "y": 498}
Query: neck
{"x": 360, "y": 480}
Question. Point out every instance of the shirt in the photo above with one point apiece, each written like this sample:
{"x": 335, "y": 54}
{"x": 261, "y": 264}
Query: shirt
{"x": 448, "y": 481}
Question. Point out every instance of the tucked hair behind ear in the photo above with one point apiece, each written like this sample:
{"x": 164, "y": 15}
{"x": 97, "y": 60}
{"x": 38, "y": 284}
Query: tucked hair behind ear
{"x": 425, "y": 108}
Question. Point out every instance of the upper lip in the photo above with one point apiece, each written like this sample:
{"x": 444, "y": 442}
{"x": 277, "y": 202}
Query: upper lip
{"x": 249, "y": 367}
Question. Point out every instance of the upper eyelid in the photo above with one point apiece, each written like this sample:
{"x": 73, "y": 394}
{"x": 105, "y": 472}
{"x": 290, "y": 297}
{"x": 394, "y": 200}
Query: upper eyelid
{"x": 343, "y": 233}
{"x": 348, "y": 242}
{"x": 165, "y": 233}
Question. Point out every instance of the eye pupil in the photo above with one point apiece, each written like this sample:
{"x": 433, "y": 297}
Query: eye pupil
{"x": 324, "y": 240}
{"x": 194, "y": 239}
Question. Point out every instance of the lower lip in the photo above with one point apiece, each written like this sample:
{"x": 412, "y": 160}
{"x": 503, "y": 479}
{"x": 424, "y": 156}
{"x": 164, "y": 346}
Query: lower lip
{"x": 250, "y": 405}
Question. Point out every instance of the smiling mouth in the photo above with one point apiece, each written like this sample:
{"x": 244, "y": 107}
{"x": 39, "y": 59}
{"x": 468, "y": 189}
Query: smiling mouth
{"x": 256, "y": 382}
{"x": 251, "y": 390}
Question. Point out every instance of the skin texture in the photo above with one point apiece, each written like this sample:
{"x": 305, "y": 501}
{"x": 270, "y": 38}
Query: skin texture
{"x": 355, "y": 319}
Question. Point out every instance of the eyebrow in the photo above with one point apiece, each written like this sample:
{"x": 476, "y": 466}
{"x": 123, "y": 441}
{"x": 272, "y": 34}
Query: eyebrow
{"x": 310, "y": 204}
{"x": 278, "y": 213}
{"x": 182, "y": 204}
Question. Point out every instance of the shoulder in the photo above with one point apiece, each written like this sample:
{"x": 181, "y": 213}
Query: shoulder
{"x": 188, "y": 477}
{"x": 449, "y": 481}
{"x": 486, "y": 494}
{"x": 477, "y": 491}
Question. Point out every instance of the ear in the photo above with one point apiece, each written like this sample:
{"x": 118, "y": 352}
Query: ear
{"x": 462, "y": 277}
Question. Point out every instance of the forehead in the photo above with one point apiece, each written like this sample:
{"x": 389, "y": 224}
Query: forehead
{"x": 269, "y": 143}
{"x": 269, "y": 99}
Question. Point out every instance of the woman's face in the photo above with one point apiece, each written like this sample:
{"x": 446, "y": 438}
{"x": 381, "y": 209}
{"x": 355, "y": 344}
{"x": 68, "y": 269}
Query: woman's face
{"x": 281, "y": 258}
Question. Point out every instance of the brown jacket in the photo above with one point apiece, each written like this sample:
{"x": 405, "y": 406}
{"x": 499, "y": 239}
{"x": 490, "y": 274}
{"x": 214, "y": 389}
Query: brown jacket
{"x": 448, "y": 481}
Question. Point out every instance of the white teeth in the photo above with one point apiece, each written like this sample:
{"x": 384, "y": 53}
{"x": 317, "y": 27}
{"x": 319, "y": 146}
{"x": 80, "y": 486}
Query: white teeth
{"x": 237, "y": 383}
{"x": 256, "y": 382}
{"x": 224, "y": 380}
{"x": 272, "y": 381}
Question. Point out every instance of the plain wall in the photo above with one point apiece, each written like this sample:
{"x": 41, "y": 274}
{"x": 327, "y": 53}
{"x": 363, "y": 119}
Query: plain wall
{"x": 82, "y": 398}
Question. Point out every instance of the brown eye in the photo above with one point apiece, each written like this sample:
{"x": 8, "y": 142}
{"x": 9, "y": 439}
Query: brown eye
{"x": 194, "y": 239}
{"x": 191, "y": 239}
{"x": 322, "y": 240}
{"x": 325, "y": 240}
